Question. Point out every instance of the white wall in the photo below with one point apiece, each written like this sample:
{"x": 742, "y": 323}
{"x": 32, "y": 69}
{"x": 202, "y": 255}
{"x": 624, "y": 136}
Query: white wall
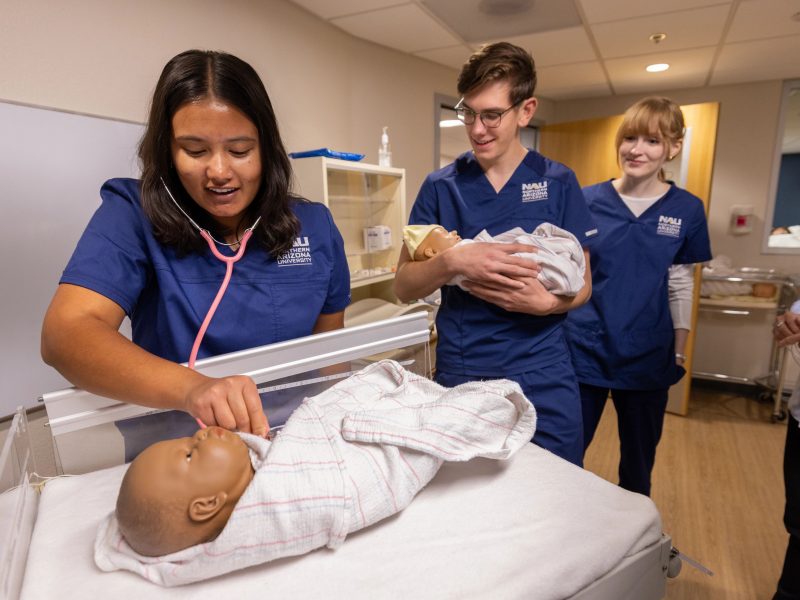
{"x": 746, "y": 138}
{"x": 329, "y": 89}
{"x": 103, "y": 57}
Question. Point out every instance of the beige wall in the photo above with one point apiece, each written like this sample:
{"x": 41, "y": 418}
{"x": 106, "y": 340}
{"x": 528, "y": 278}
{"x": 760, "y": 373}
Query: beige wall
{"x": 746, "y": 138}
{"x": 329, "y": 89}
{"x": 103, "y": 57}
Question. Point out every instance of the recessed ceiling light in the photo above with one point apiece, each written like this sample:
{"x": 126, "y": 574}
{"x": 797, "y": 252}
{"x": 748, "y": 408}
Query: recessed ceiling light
{"x": 657, "y": 67}
{"x": 657, "y": 38}
{"x": 450, "y": 123}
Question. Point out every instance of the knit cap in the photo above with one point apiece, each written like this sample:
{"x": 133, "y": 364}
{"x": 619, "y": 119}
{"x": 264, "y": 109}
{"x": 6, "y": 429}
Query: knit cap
{"x": 414, "y": 234}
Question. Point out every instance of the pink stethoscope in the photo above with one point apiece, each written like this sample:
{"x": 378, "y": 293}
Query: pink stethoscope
{"x": 229, "y": 262}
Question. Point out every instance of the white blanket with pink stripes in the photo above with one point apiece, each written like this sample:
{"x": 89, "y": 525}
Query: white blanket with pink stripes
{"x": 347, "y": 458}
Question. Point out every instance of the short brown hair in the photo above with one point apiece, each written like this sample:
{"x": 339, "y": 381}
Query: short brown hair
{"x": 497, "y": 62}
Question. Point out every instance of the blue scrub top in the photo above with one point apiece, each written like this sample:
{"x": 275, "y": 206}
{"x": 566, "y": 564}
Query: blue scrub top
{"x": 476, "y": 337}
{"x": 623, "y": 337}
{"x": 167, "y": 297}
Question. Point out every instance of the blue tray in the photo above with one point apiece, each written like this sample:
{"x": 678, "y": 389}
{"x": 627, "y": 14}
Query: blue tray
{"x": 327, "y": 152}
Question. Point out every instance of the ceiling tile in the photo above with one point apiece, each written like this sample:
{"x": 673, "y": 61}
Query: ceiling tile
{"x": 556, "y": 47}
{"x": 761, "y": 19}
{"x": 688, "y": 68}
{"x": 580, "y": 91}
{"x": 406, "y": 27}
{"x": 758, "y": 61}
{"x": 762, "y": 43}
{"x": 477, "y": 20}
{"x": 330, "y": 10}
{"x": 684, "y": 29}
{"x": 572, "y": 81}
{"x": 452, "y": 56}
{"x": 600, "y": 11}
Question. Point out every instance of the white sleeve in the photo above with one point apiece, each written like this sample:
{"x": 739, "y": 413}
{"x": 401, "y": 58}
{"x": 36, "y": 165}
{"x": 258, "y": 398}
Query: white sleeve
{"x": 681, "y": 294}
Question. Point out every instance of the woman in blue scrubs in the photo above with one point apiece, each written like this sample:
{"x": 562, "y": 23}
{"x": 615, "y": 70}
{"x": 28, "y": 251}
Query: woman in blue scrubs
{"x": 212, "y": 141}
{"x": 630, "y": 338}
{"x": 507, "y": 325}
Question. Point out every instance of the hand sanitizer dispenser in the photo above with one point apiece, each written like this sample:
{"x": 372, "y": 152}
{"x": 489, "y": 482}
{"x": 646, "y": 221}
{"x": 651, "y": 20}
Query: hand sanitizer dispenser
{"x": 384, "y": 154}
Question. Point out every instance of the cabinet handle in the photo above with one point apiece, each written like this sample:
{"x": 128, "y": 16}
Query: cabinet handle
{"x": 725, "y": 311}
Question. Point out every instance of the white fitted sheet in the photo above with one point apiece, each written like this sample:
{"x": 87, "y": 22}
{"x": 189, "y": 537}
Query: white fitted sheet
{"x": 536, "y": 527}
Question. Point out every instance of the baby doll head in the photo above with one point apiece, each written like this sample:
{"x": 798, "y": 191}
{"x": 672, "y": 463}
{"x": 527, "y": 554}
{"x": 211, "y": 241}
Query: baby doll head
{"x": 179, "y": 493}
{"x": 425, "y": 241}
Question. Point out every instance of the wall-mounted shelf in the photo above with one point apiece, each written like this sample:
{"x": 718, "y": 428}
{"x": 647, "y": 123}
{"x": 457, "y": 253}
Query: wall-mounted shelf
{"x": 359, "y": 195}
{"x": 370, "y": 279}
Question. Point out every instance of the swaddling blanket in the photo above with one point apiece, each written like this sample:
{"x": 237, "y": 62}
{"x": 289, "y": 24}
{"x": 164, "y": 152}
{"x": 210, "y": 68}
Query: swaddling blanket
{"x": 559, "y": 254}
{"x": 347, "y": 458}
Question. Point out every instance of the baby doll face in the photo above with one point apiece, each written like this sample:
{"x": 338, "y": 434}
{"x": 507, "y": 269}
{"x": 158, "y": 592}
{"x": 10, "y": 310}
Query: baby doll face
{"x": 213, "y": 463}
{"x": 179, "y": 493}
{"x": 210, "y": 461}
{"x": 438, "y": 240}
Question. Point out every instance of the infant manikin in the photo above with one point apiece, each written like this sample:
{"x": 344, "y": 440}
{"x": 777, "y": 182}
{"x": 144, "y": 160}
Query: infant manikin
{"x": 198, "y": 507}
{"x": 557, "y": 251}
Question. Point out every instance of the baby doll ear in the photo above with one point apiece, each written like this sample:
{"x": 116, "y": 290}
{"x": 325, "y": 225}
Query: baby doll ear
{"x": 203, "y": 509}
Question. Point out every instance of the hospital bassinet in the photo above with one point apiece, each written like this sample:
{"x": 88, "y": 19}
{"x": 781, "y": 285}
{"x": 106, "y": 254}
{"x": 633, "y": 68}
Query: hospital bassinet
{"x": 734, "y": 340}
{"x": 535, "y": 527}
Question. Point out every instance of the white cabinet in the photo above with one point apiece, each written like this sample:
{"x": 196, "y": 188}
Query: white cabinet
{"x": 364, "y": 199}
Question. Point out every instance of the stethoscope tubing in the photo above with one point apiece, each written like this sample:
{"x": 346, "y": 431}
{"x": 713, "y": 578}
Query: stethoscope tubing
{"x": 229, "y": 262}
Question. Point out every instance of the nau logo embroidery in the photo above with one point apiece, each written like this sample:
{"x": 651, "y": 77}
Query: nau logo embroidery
{"x": 670, "y": 226}
{"x": 298, "y": 254}
{"x": 534, "y": 191}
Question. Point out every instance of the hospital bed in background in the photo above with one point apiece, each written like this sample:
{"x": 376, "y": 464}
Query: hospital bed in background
{"x": 535, "y": 527}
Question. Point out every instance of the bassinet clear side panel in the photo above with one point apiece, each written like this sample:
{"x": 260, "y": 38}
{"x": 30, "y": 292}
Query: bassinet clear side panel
{"x": 91, "y": 432}
{"x": 17, "y": 505}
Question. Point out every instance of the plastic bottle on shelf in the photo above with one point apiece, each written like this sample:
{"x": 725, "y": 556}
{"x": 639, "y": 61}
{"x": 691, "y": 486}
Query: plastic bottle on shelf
{"x": 384, "y": 154}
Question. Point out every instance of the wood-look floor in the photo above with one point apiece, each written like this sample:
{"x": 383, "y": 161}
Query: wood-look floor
{"x": 718, "y": 483}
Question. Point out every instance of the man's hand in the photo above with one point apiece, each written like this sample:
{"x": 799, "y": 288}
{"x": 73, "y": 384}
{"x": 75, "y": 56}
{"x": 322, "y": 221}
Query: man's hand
{"x": 493, "y": 265}
{"x": 532, "y": 298}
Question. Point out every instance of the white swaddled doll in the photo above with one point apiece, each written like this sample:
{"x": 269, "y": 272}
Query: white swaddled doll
{"x": 195, "y": 508}
{"x": 556, "y": 250}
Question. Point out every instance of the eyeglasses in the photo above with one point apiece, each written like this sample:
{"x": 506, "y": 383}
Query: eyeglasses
{"x": 490, "y": 118}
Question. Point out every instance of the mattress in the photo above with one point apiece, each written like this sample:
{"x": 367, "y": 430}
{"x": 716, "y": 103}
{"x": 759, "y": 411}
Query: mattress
{"x": 535, "y": 527}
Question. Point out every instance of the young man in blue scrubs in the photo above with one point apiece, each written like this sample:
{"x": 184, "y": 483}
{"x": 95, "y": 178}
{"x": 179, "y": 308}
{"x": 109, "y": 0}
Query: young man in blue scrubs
{"x": 507, "y": 325}
{"x": 629, "y": 339}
